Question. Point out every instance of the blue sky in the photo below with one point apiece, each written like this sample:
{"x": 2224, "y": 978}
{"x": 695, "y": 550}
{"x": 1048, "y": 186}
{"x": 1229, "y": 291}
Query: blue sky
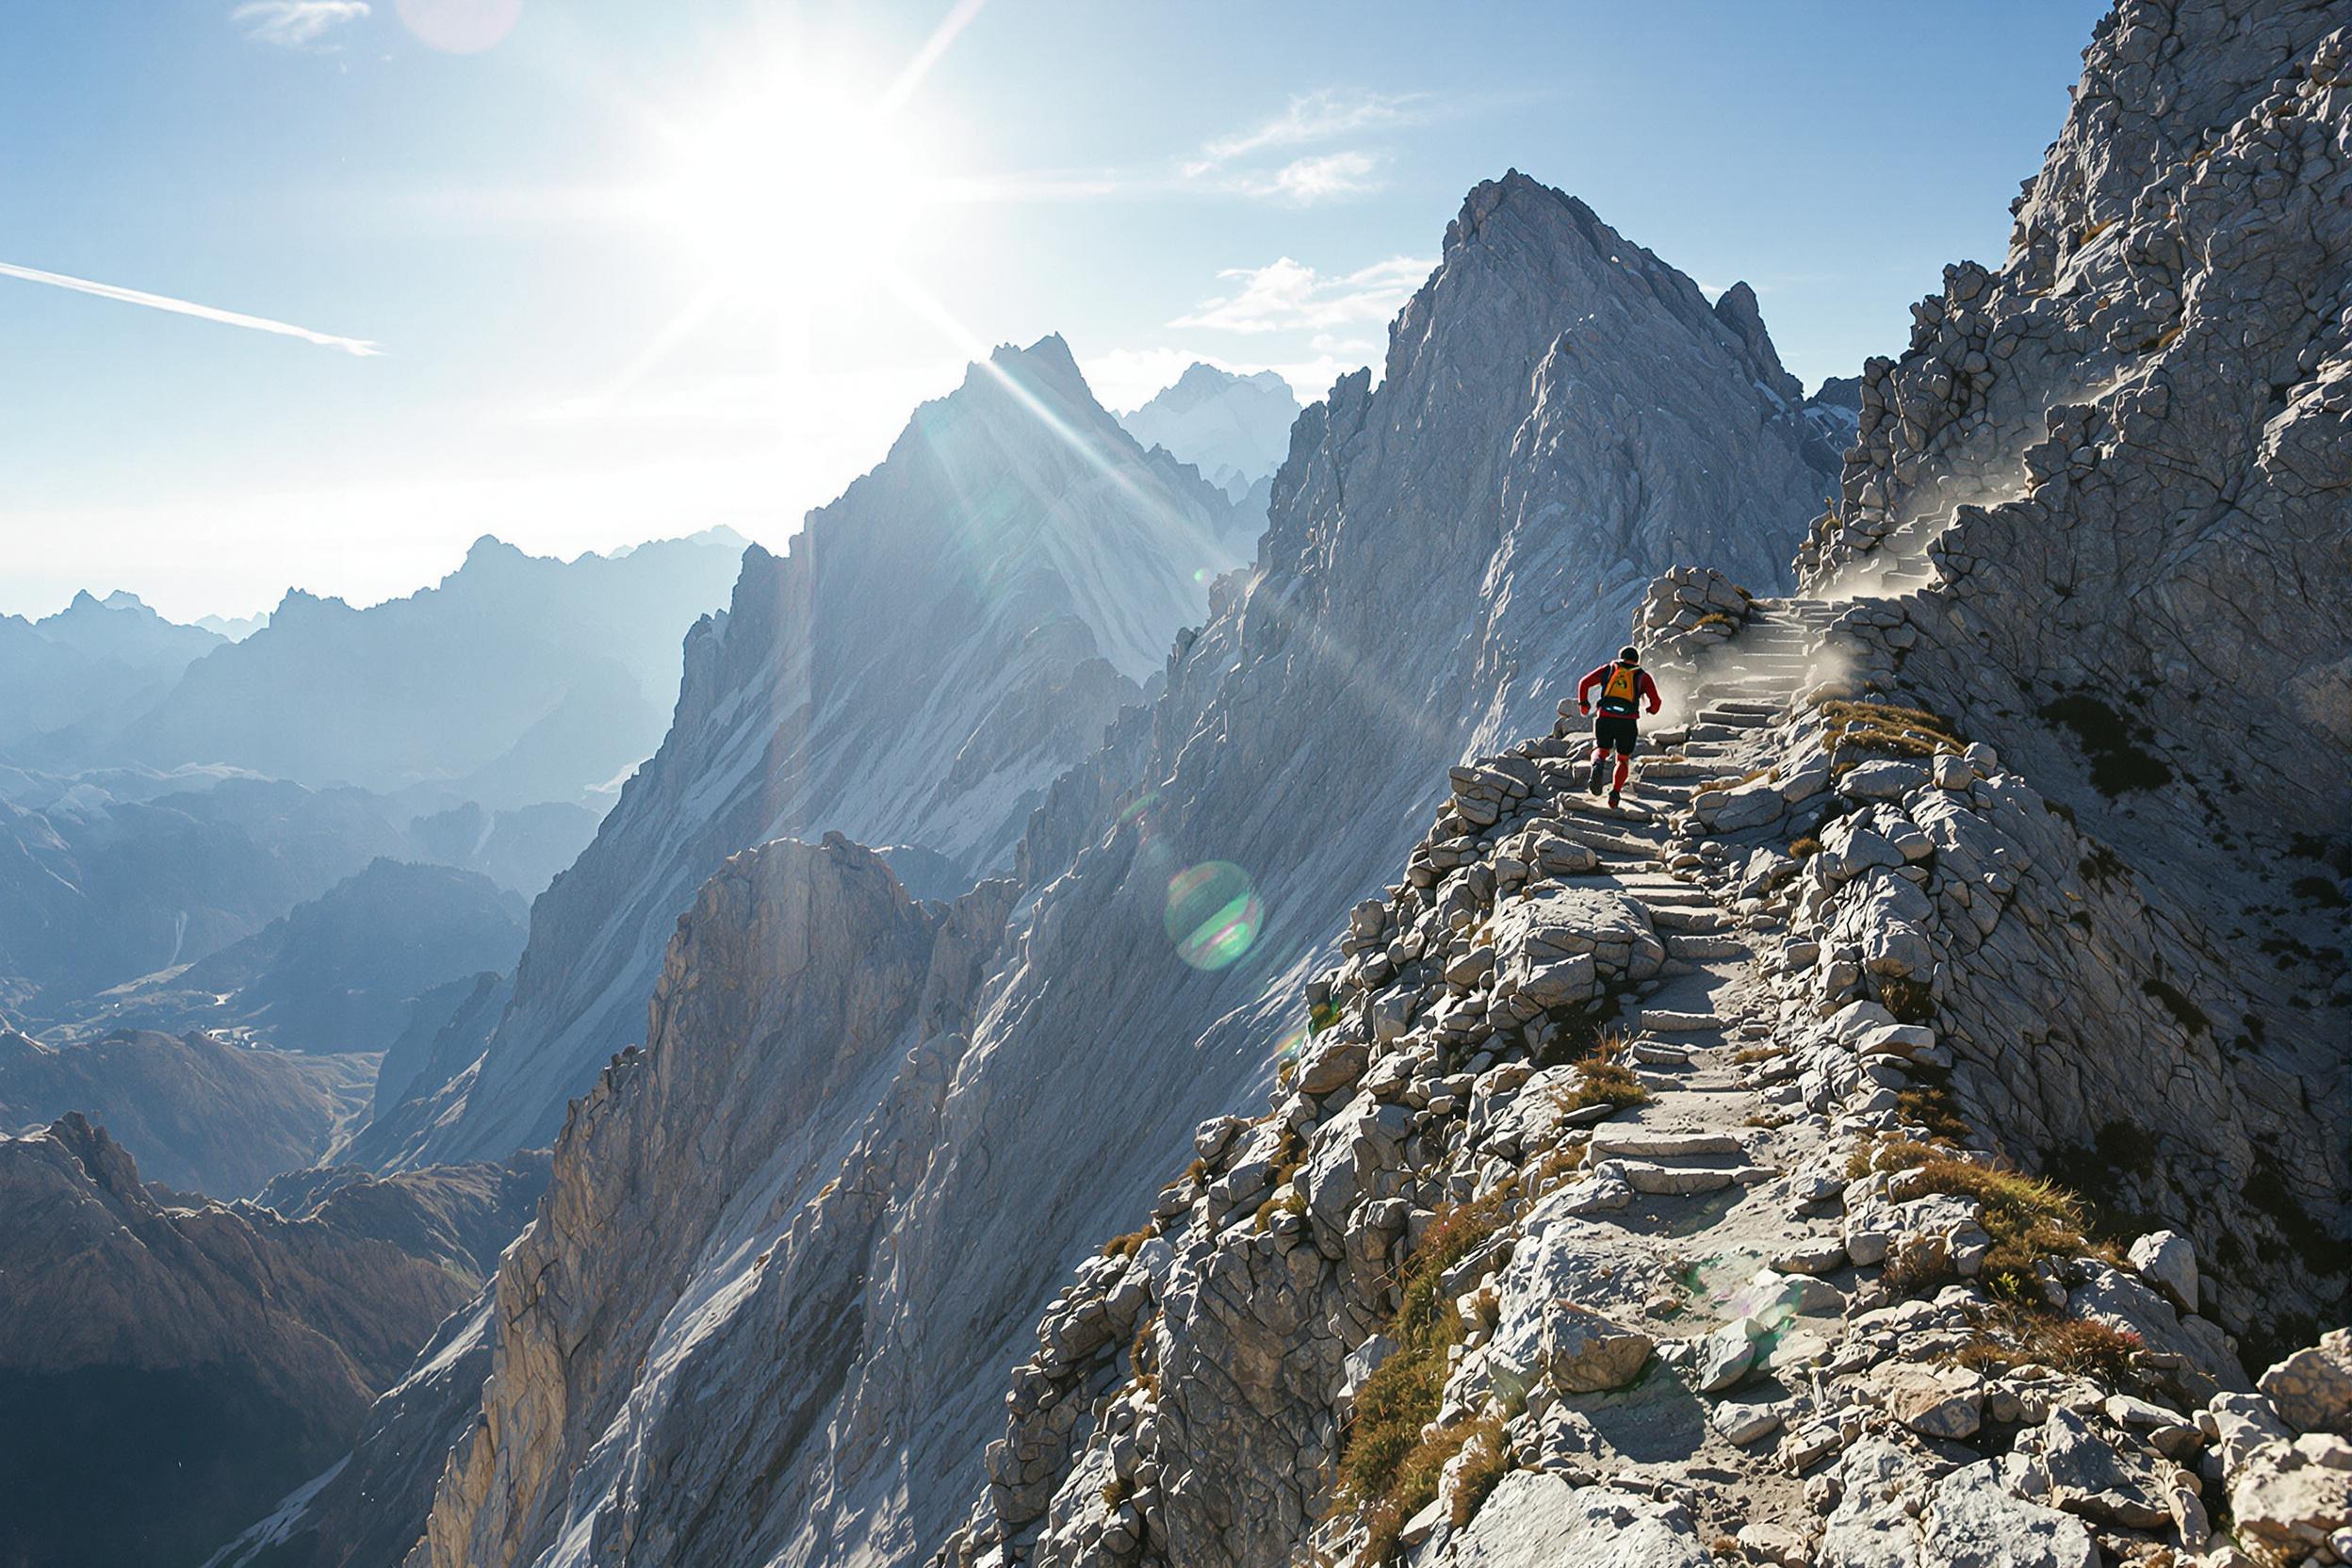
{"x": 629, "y": 270}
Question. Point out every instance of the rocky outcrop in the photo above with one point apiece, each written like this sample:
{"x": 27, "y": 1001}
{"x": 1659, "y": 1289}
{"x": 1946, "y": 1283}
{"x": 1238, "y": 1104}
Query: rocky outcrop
{"x": 2094, "y": 510}
{"x": 208, "y": 1117}
{"x": 215, "y": 1355}
{"x": 1600, "y": 1215}
{"x": 937, "y": 646}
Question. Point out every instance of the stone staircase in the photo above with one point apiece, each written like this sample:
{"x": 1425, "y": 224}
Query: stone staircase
{"x": 1706, "y": 1132}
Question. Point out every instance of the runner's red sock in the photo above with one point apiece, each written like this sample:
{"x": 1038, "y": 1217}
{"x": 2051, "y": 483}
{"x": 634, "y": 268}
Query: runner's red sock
{"x": 1624, "y": 766}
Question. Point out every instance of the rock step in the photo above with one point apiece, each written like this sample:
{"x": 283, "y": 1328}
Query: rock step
{"x": 1704, "y": 949}
{"x": 1689, "y": 916}
{"x": 1664, "y": 893}
{"x": 1663, "y": 1021}
{"x": 1754, "y": 717}
{"x": 1672, "y": 1180}
{"x": 1665, "y": 768}
{"x": 1742, "y": 705}
{"x": 1637, "y": 1142}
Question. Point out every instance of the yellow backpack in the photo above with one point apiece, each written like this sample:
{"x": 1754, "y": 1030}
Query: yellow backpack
{"x": 1621, "y": 696}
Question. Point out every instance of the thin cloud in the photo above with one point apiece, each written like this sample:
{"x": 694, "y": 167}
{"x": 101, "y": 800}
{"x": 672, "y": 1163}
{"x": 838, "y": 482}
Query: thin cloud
{"x": 1290, "y": 296}
{"x": 1314, "y": 117}
{"x": 296, "y": 24}
{"x": 185, "y": 308}
{"x": 1332, "y": 174}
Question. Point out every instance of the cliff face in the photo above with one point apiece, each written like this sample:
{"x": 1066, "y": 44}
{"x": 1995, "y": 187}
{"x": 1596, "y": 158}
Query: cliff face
{"x": 937, "y": 646}
{"x": 214, "y": 1354}
{"x": 2096, "y": 511}
{"x": 718, "y": 1218}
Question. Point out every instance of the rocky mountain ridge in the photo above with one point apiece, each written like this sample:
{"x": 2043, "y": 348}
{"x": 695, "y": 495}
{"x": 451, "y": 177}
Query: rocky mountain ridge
{"x": 205, "y": 1116}
{"x": 1651, "y": 1183}
{"x": 2095, "y": 495}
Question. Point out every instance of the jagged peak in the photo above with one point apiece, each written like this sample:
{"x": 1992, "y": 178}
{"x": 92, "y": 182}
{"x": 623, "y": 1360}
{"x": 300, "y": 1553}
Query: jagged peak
{"x": 490, "y": 548}
{"x": 109, "y": 1164}
{"x": 298, "y": 602}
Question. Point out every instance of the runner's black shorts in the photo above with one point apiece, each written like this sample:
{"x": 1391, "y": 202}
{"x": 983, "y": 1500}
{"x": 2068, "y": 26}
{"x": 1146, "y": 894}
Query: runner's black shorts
{"x": 1615, "y": 734}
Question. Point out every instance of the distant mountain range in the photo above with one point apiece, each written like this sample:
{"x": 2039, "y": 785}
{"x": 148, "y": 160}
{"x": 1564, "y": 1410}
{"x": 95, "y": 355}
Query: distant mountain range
{"x": 515, "y": 679}
{"x": 340, "y": 972}
{"x": 94, "y": 665}
{"x": 1235, "y": 428}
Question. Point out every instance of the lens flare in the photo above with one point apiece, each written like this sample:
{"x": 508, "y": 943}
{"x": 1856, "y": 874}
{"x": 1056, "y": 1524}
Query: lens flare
{"x": 1213, "y": 914}
{"x": 1293, "y": 1040}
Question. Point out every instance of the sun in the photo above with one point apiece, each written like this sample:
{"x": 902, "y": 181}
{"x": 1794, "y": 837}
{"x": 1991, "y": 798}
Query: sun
{"x": 793, "y": 181}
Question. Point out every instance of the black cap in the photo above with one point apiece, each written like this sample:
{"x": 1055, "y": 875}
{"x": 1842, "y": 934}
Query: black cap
{"x": 1628, "y": 655}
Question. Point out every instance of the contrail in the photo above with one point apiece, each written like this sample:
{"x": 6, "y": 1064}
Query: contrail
{"x": 185, "y": 308}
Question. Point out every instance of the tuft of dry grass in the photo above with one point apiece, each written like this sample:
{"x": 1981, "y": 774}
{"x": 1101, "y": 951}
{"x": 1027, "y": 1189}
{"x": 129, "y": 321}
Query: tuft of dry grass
{"x": 2029, "y": 1218}
{"x": 1800, "y": 849}
{"x": 1857, "y": 731}
{"x": 2075, "y": 1345}
{"x": 1910, "y": 1001}
{"x": 1555, "y": 1168}
{"x": 1602, "y": 1078}
{"x": 1489, "y": 1462}
{"x": 1123, "y": 1247}
{"x": 1748, "y": 1053}
{"x": 1387, "y": 1461}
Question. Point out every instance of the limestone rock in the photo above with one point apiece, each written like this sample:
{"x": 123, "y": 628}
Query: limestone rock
{"x": 1536, "y": 1521}
{"x": 2312, "y": 1388}
{"x": 1584, "y": 1352}
{"x": 1973, "y": 1521}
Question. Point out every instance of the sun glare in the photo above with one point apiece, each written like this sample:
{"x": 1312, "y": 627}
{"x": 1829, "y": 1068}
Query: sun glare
{"x": 798, "y": 182}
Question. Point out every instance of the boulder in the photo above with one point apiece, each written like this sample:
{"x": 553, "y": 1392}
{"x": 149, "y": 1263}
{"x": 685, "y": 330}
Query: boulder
{"x": 2167, "y": 1260}
{"x": 1973, "y": 1521}
{"x": 2287, "y": 1498}
{"x": 1584, "y": 1352}
{"x": 2312, "y": 1388}
{"x": 1945, "y": 1402}
{"x": 1537, "y": 1520}
{"x": 1723, "y": 1358}
{"x": 2098, "y": 1480}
